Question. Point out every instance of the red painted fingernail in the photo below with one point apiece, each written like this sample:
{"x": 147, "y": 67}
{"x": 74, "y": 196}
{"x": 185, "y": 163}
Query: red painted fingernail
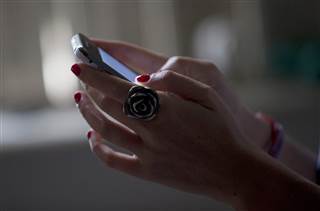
{"x": 76, "y": 69}
{"x": 143, "y": 78}
{"x": 77, "y": 97}
{"x": 89, "y": 134}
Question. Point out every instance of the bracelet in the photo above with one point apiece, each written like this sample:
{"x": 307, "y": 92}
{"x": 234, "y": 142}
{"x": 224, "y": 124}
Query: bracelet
{"x": 277, "y": 135}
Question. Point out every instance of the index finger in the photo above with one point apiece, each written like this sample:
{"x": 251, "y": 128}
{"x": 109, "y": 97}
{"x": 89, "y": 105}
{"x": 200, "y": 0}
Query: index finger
{"x": 138, "y": 58}
{"x": 110, "y": 85}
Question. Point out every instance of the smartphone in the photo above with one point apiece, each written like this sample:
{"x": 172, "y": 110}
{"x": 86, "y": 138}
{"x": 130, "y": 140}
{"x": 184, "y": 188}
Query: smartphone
{"x": 98, "y": 58}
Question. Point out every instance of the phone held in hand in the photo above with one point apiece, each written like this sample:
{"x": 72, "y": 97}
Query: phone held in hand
{"x": 98, "y": 58}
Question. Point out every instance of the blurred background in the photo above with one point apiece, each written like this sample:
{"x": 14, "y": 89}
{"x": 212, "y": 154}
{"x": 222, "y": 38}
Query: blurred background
{"x": 268, "y": 50}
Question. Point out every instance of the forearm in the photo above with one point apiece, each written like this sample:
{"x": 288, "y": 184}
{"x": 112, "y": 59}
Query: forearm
{"x": 299, "y": 159}
{"x": 268, "y": 185}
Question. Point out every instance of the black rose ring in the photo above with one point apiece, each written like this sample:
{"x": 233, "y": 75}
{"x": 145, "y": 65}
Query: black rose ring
{"x": 142, "y": 103}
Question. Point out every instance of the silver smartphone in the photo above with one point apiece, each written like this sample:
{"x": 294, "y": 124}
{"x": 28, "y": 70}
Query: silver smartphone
{"x": 98, "y": 58}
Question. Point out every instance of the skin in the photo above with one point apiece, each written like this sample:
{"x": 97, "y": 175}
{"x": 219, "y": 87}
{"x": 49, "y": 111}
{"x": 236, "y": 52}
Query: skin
{"x": 144, "y": 61}
{"x": 220, "y": 156}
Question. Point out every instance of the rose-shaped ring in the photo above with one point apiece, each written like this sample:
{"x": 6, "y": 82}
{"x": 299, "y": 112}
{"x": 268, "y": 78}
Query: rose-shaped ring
{"x": 141, "y": 103}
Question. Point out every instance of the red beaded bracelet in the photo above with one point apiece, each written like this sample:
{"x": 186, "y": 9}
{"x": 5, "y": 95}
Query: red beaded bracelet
{"x": 276, "y": 136}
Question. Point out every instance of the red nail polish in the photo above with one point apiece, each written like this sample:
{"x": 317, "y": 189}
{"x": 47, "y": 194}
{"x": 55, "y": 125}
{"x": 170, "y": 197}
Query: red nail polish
{"x": 77, "y": 97}
{"x": 76, "y": 69}
{"x": 143, "y": 78}
{"x": 89, "y": 134}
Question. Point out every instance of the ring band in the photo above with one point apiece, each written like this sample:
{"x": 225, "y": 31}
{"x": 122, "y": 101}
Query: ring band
{"x": 141, "y": 103}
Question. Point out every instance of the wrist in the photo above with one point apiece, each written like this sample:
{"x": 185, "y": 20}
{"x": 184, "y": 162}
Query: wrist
{"x": 238, "y": 188}
{"x": 229, "y": 189}
{"x": 258, "y": 183}
{"x": 268, "y": 185}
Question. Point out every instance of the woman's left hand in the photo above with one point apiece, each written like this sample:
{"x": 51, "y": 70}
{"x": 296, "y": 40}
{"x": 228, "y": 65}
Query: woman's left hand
{"x": 193, "y": 145}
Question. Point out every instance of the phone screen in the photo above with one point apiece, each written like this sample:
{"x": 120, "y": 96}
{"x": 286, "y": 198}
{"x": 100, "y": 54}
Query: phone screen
{"x": 117, "y": 66}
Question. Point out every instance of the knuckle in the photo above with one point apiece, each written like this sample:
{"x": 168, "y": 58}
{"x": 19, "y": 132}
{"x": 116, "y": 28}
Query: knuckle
{"x": 103, "y": 128}
{"x": 102, "y": 102}
{"x": 166, "y": 96}
{"x": 85, "y": 109}
{"x": 177, "y": 60}
{"x": 209, "y": 97}
{"x": 166, "y": 75}
{"x": 207, "y": 92}
{"x": 210, "y": 65}
{"x": 164, "y": 78}
{"x": 109, "y": 160}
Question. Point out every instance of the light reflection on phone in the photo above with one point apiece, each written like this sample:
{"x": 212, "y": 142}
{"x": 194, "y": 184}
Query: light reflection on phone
{"x": 116, "y": 65}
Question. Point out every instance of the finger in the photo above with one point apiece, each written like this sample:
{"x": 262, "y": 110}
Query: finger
{"x": 110, "y": 130}
{"x": 123, "y": 162}
{"x": 193, "y": 68}
{"x": 135, "y": 57}
{"x": 108, "y": 84}
{"x": 183, "y": 86}
{"x": 114, "y": 109}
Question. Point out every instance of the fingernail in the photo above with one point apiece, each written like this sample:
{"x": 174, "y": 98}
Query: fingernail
{"x": 76, "y": 69}
{"x": 89, "y": 134}
{"x": 77, "y": 97}
{"x": 92, "y": 139}
{"x": 143, "y": 78}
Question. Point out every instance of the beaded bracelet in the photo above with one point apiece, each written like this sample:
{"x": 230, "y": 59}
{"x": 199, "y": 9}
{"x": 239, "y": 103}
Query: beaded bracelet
{"x": 277, "y": 135}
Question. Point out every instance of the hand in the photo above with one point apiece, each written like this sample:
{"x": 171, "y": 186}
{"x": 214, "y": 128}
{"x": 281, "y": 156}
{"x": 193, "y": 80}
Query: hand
{"x": 193, "y": 145}
{"x": 255, "y": 130}
{"x": 147, "y": 62}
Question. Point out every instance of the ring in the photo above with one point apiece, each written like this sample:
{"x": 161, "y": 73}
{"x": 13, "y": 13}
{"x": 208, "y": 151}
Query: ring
{"x": 141, "y": 103}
